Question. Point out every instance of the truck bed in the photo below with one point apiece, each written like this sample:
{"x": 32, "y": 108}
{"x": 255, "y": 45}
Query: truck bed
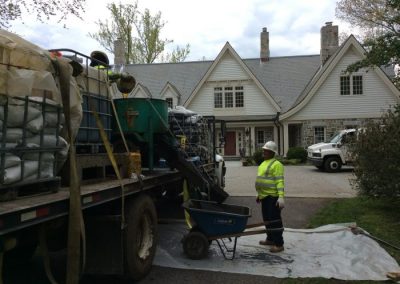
{"x": 32, "y": 210}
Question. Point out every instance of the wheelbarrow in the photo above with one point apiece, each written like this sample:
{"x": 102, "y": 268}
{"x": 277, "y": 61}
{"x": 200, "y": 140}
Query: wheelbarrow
{"x": 214, "y": 221}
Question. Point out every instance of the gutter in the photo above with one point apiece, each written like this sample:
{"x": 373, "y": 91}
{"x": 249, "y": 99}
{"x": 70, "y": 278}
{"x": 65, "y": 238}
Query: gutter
{"x": 279, "y": 125}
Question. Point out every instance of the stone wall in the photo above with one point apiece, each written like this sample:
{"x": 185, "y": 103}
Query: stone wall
{"x": 331, "y": 127}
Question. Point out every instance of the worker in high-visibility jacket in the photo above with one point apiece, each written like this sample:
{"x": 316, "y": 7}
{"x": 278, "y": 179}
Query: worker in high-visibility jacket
{"x": 270, "y": 186}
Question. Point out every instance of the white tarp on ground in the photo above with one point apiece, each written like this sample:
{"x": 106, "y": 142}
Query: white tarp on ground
{"x": 331, "y": 251}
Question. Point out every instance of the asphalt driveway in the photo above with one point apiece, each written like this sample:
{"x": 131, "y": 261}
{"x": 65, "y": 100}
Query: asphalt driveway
{"x": 300, "y": 181}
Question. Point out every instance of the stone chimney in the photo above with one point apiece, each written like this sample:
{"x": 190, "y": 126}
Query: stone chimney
{"x": 119, "y": 52}
{"x": 329, "y": 41}
{"x": 264, "y": 45}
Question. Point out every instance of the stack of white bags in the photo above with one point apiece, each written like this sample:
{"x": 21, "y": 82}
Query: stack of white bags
{"x": 31, "y": 149}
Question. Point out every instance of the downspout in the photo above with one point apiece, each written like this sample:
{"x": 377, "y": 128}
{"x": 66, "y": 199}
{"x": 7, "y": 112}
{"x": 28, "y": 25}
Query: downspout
{"x": 278, "y": 124}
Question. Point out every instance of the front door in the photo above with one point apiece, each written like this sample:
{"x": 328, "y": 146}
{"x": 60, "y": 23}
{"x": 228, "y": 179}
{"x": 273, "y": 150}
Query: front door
{"x": 230, "y": 143}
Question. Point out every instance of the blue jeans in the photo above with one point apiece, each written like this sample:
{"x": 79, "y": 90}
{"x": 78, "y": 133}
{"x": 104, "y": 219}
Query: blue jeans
{"x": 271, "y": 212}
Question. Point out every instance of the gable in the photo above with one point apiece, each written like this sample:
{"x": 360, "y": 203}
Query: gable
{"x": 229, "y": 71}
{"x": 322, "y": 99}
{"x": 328, "y": 103}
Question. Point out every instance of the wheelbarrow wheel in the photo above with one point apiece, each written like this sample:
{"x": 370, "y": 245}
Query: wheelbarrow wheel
{"x": 195, "y": 245}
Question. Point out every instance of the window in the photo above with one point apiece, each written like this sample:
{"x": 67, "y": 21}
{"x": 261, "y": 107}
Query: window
{"x": 228, "y": 97}
{"x": 357, "y": 85}
{"x": 345, "y": 85}
{"x": 264, "y": 135}
{"x": 170, "y": 102}
{"x": 351, "y": 85}
{"x": 239, "y": 100}
{"x": 218, "y": 97}
{"x": 319, "y": 134}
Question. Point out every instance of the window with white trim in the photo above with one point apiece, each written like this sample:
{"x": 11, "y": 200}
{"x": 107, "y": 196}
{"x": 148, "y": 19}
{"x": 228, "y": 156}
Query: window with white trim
{"x": 229, "y": 97}
{"x": 264, "y": 135}
{"x": 319, "y": 134}
{"x": 170, "y": 102}
{"x": 218, "y": 97}
{"x": 239, "y": 96}
{"x": 351, "y": 85}
{"x": 228, "y": 92}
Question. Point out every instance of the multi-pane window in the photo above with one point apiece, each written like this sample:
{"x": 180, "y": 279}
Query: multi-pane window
{"x": 239, "y": 99}
{"x": 169, "y": 102}
{"x": 264, "y": 135}
{"x": 357, "y": 85}
{"x": 228, "y": 97}
{"x": 345, "y": 85}
{"x": 351, "y": 85}
{"x": 218, "y": 97}
{"x": 319, "y": 134}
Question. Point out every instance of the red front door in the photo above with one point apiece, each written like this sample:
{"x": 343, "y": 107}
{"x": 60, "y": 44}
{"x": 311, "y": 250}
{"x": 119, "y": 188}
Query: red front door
{"x": 230, "y": 143}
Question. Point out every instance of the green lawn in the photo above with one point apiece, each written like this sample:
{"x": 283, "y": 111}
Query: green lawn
{"x": 379, "y": 217}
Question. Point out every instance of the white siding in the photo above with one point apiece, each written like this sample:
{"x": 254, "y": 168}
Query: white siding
{"x": 169, "y": 93}
{"x": 139, "y": 93}
{"x": 228, "y": 69}
{"x": 229, "y": 72}
{"x": 327, "y": 103}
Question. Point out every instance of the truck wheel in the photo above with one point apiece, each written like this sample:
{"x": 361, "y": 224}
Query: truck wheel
{"x": 141, "y": 237}
{"x": 333, "y": 164}
{"x": 195, "y": 245}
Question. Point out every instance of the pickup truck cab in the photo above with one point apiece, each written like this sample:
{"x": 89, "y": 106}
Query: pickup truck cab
{"x": 330, "y": 156}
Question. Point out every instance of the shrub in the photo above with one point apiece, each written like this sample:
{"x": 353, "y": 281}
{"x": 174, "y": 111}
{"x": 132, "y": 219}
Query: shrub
{"x": 377, "y": 157}
{"x": 258, "y": 156}
{"x": 297, "y": 153}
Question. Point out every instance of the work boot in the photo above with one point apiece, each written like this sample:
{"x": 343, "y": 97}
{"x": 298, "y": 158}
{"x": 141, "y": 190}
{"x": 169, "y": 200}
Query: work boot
{"x": 275, "y": 249}
{"x": 266, "y": 243}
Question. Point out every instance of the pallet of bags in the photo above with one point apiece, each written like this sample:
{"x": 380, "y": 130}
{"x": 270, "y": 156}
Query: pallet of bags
{"x": 31, "y": 147}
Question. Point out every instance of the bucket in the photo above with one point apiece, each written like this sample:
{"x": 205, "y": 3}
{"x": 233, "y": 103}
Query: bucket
{"x": 135, "y": 163}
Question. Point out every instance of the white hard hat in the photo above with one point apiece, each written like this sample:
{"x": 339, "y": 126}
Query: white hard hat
{"x": 270, "y": 145}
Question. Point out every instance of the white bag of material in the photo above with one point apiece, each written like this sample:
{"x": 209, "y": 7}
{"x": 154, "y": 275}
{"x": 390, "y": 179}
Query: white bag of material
{"x": 14, "y": 135}
{"x": 13, "y": 174}
{"x": 10, "y": 160}
{"x": 15, "y": 115}
{"x": 34, "y": 156}
{"x": 48, "y": 141}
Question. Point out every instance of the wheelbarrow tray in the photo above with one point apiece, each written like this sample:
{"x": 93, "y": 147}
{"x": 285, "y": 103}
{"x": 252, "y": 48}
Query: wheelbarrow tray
{"x": 216, "y": 219}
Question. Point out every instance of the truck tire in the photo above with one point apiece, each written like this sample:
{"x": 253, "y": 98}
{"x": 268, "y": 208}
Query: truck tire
{"x": 140, "y": 237}
{"x": 332, "y": 164}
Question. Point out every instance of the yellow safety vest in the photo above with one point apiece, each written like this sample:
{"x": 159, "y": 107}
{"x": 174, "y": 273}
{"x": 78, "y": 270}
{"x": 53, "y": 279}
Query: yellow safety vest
{"x": 270, "y": 179}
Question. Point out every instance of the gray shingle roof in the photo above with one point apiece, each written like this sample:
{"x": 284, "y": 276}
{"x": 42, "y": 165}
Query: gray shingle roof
{"x": 285, "y": 78}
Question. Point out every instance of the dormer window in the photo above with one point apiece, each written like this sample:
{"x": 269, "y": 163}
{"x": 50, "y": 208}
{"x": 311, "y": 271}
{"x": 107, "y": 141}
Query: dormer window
{"x": 170, "y": 102}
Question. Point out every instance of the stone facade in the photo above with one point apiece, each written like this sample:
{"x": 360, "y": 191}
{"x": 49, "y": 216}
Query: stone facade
{"x": 331, "y": 127}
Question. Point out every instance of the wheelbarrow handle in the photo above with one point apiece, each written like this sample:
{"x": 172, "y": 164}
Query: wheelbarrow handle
{"x": 249, "y": 226}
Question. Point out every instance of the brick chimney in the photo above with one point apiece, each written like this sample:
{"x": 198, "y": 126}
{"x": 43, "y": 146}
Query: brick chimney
{"x": 329, "y": 41}
{"x": 264, "y": 45}
{"x": 119, "y": 52}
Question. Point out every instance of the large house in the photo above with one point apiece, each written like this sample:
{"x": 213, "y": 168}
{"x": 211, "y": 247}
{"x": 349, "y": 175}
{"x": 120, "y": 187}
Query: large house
{"x": 293, "y": 100}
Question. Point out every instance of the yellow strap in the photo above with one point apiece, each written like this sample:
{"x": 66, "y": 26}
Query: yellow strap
{"x": 186, "y": 197}
{"x": 110, "y": 155}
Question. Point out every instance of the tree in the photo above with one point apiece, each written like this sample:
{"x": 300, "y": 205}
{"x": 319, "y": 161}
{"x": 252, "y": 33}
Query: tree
{"x": 377, "y": 156}
{"x": 11, "y": 10}
{"x": 380, "y": 22}
{"x": 141, "y": 34}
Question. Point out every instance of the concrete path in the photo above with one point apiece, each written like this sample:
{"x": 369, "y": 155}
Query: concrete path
{"x": 300, "y": 181}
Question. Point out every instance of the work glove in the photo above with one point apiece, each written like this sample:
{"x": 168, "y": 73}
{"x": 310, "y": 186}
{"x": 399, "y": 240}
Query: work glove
{"x": 280, "y": 203}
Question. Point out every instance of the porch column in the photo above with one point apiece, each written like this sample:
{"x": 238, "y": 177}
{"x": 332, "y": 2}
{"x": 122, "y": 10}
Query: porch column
{"x": 285, "y": 138}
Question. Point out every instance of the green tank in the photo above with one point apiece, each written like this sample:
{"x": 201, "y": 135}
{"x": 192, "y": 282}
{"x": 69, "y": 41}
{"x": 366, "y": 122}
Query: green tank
{"x": 141, "y": 119}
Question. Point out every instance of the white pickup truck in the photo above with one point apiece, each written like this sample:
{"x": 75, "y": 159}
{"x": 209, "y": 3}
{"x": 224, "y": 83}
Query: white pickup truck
{"x": 330, "y": 156}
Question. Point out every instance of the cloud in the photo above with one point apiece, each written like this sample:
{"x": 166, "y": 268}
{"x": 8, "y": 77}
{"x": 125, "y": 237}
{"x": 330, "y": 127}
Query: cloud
{"x": 294, "y": 26}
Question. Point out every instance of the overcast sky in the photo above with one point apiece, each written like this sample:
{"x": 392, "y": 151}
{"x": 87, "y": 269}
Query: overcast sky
{"x": 293, "y": 26}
